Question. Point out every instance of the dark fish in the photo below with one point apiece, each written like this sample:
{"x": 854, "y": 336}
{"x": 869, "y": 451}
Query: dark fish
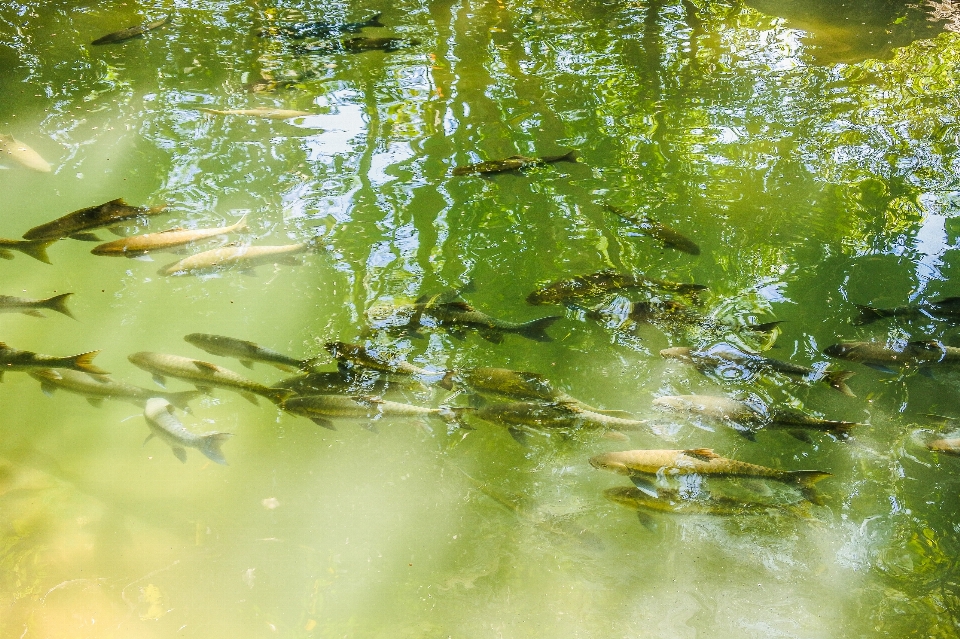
{"x": 648, "y": 226}
{"x": 131, "y": 32}
{"x": 246, "y": 352}
{"x": 361, "y": 44}
{"x": 37, "y": 249}
{"x": 100, "y": 387}
{"x": 335, "y": 383}
{"x": 918, "y": 354}
{"x": 523, "y": 386}
{"x": 271, "y": 85}
{"x": 722, "y": 357}
{"x": 513, "y": 163}
{"x": 519, "y": 416}
{"x": 703, "y": 503}
{"x": 745, "y": 419}
{"x": 602, "y": 283}
{"x": 164, "y": 424}
{"x": 12, "y": 359}
{"x": 447, "y": 311}
{"x": 946, "y": 309}
{"x": 350, "y": 355}
{"x": 322, "y": 409}
{"x": 644, "y": 465}
{"x": 302, "y": 30}
{"x": 673, "y": 315}
{"x": 26, "y": 306}
{"x": 77, "y": 225}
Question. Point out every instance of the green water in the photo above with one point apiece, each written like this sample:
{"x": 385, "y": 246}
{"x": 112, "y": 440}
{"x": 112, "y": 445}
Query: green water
{"x": 808, "y": 147}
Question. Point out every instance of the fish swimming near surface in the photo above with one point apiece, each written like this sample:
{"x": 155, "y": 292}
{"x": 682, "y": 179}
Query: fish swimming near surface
{"x": 746, "y": 419}
{"x": 138, "y": 246}
{"x": 301, "y": 30}
{"x": 323, "y": 409}
{"x": 945, "y": 446}
{"x": 163, "y": 424}
{"x": 361, "y": 44}
{"x": 522, "y": 385}
{"x": 246, "y": 352}
{"x": 335, "y": 383}
{"x": 204, "y": 375}
{"x": 945, "y": 309}
{"x": 12, "y": 359}
{"x": 356, "y": 355}
{"x": 241, "y": 258}
{"x": 97, "y": 388}
{"x": 267, "y": 113}
{"x": 57, "y": 303}
{"x": 674, "y": 315}
{"x": 131, "y": 32}
{"x": 642, "y": 465}
{"x": 77, "y": 225}
{"x": 672, "y": 502}
{"x": 513, "y": 163}
{"x": 269, "y": 84}
{"x": 723, "y": 357}
{"x": 918, "y": 354}
{"x": 646, "y": 225}
{"x": 17, "y": 151}
{"x": 450, "y": 312}
{"x": 519, "y": 416}
{"x": 603, "y": 283}
{"x": 37, "y": 249}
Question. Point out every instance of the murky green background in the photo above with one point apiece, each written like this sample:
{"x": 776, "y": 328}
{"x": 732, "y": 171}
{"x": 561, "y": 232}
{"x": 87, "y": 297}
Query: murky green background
{"x": 809, "y": 147}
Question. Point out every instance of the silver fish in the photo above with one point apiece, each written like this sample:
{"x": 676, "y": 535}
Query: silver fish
{"x": 58, "y": 303}
{"x": 163, "y": 423}
{"x": 97, "y": 388}
{"x": 37, "y": 249}
{"x": 141, "y": 245}
{"x": 243, "y": 258}
{"x": 246, "y": 352}
{"x": 321, "y": 409}
{"x": 20, "y": 153}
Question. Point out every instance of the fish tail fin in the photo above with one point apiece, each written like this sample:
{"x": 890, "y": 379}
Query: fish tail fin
{"x": 806, "y": 480}
{"x": 37, "y": 249}
{"x": 374, "y": 21}
{"x": 764, "y": 328}
{"x": 868, "y": 315}
{"x": 241, "y": 224}
{"x": 278, "y": 395}
{"x": 454, "y": 416}
{"x": 84, "y": 362}
{"x": 838, "y": 380}
{"x": 182, "y": 399}
{"x": 537, "y": 329}
{"x": 210, "y": 444}
{"x": 58, "y": 303}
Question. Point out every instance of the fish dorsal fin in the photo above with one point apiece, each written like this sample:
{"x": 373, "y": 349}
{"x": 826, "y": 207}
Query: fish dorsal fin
{"x": 119, "y": 202}
{"x": 206, "y": 366}
{"x": 3, "y": 346}
{"x": 705, "y": 454}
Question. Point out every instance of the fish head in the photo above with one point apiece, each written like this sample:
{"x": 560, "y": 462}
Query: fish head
{"x": 157, "y": 406}
{"x": 608, "y": 461}
{"x": 843, "y": 350}
{"x": 681, "y": 353}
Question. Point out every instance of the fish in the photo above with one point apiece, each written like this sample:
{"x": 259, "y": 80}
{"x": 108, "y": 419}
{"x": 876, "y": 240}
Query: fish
{"x": 641, "y": 465}
{"x": 57, "y": 303}
{"x": 603, "y": 283}
{"x": 163, "y": 424}
{"x": 13, "y": 149}
{"x": 243, "y": 258}
{"x": 723, "y": 356}
{"x": 672, "y": 502}
{"x": 522, "y": 385}
{"x": 204, "y": 375}
{"x": 917, "y": 354}
{"x": 37, "y": 249}
{"x": 335, "y": 383}
{"x": 669, "y": 237}
{"x": 745, "y": 419}
{"x": 269, "y": 84}
{"x": 672, "y": 315}
{"x": 445, "y": 310}
{"x": 517, "y": 416}
{"x": 97, "y": 388}
{"x": 246, "y": 352}
{"x": 77, "y": 225}
{"x": 138, "y": 246}
{"x": 323, "y": 409}
{"x": 361, "y": 44}
{"x": 12, "y": 359}
{"x": 303, "y": 30}
{"x": 945, "y": 309}
{"x": 270, "y": 114}
{"x": 513, "y": 163}
{"x": 131, "y": 32}
{"x": 945, "y": 446}
{"x": 356, "y": 355}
